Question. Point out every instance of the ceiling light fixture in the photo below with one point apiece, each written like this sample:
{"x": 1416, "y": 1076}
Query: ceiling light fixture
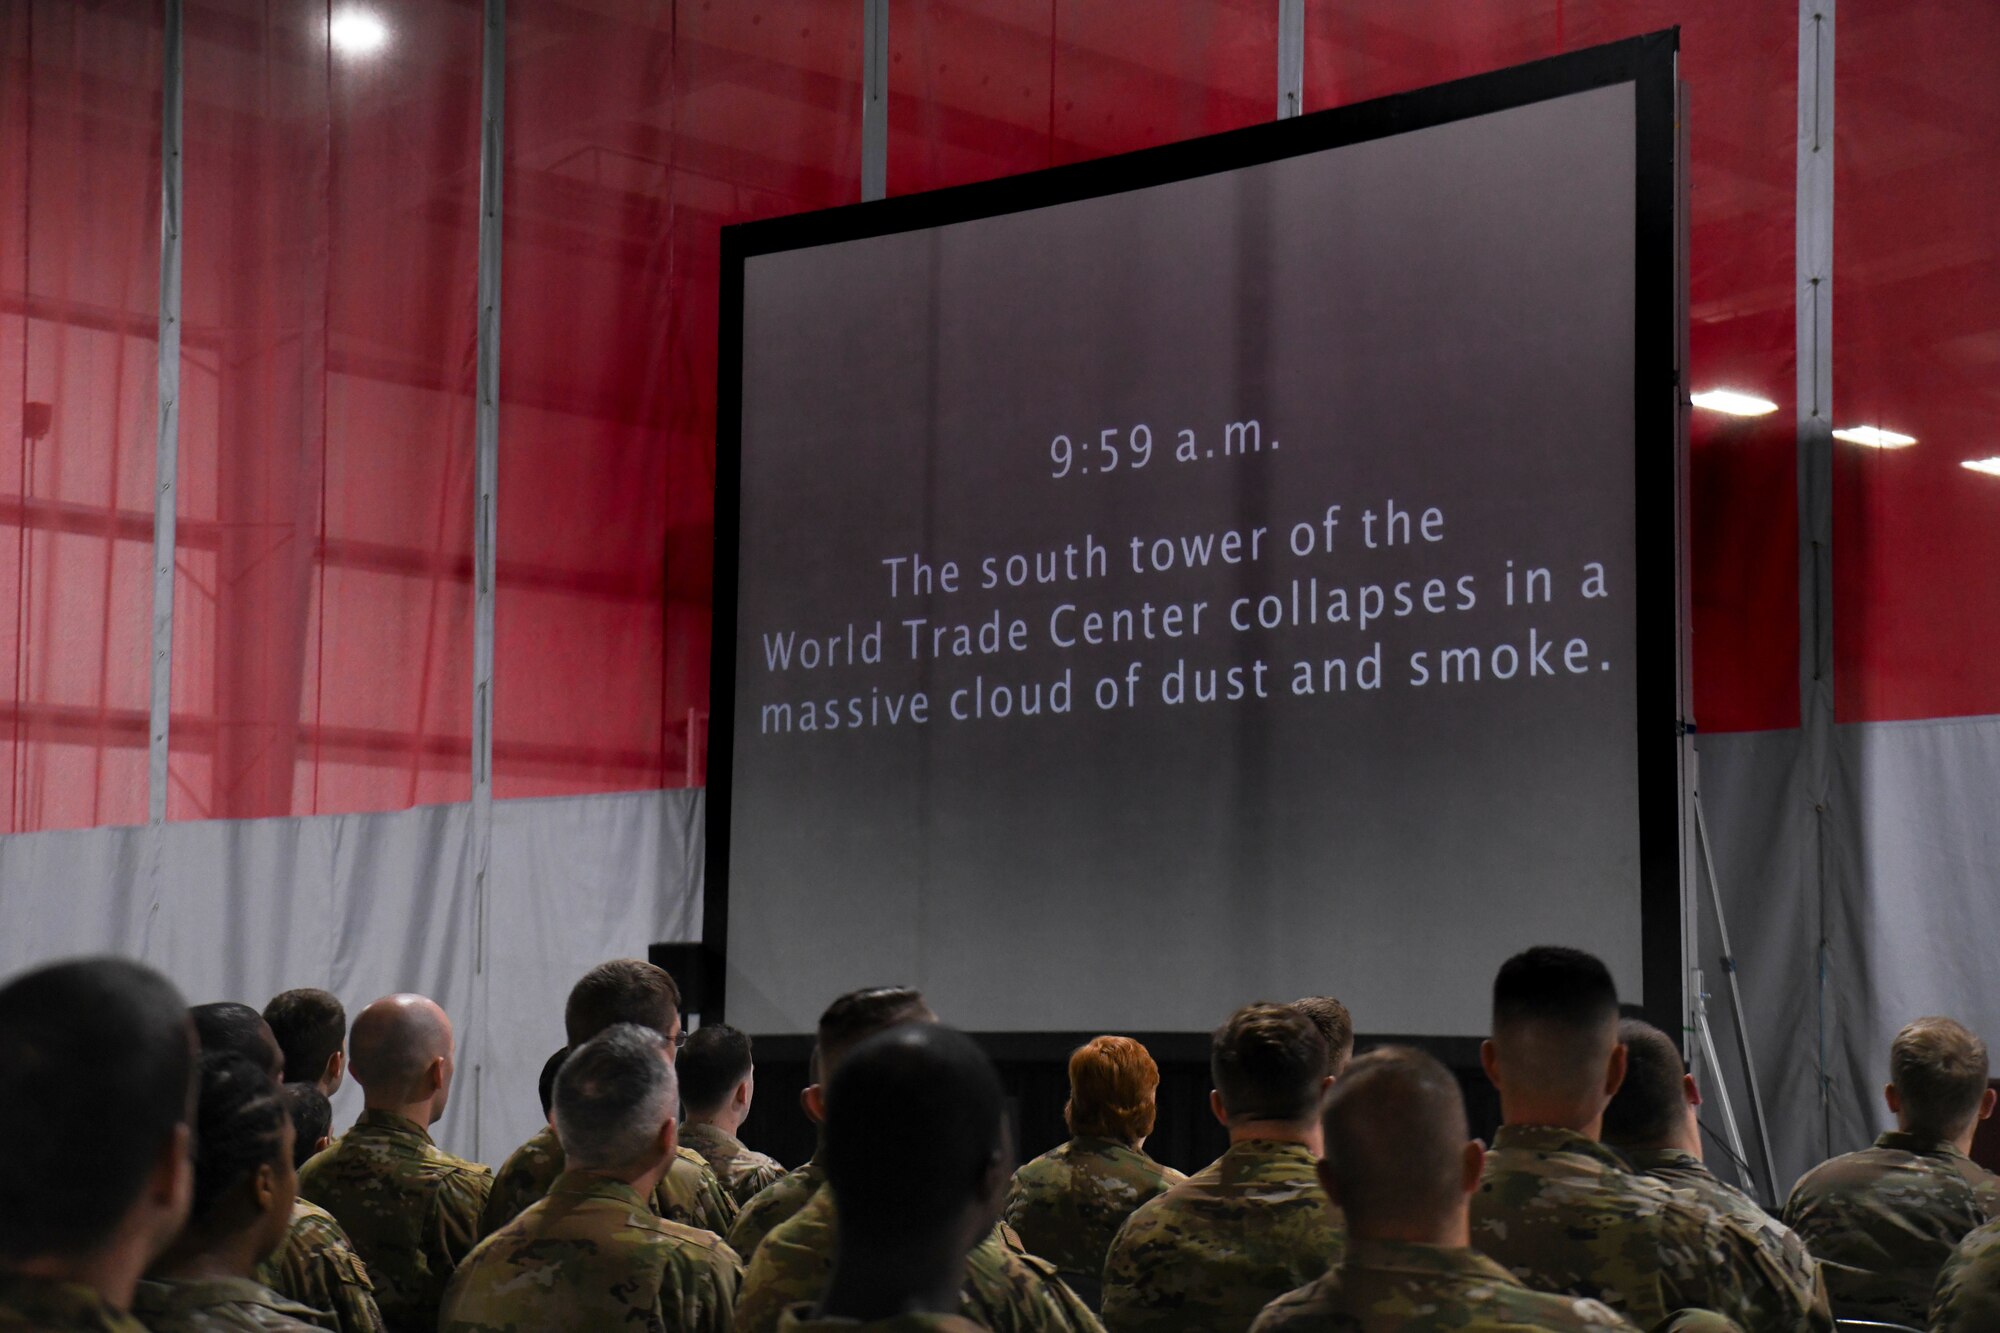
{"x": 1990, "y": 466}
{"x": 357, "y": 32}
{"x": 1733, "y": 403}
{"x": 1875, "y": 437}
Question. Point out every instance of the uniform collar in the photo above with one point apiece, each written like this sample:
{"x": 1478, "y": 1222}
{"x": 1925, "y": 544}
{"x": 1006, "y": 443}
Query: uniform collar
{"x": 589, "y": 1185}
{"x": 47, "y": 1302}
{"x": 1546, "y": 1139}
{"x": 715, "y": 1134}
{"x": 1659, "y": 1159}
{"x": 1923, "y": 1145}
{"x": 1398, "y": 1256}
{"x": 181, "y": 1295}
{"x": 388, "y": 1122}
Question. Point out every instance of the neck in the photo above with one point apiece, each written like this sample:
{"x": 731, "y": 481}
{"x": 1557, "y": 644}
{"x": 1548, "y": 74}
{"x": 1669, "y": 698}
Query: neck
{"x": 199, "y": 1258}
{"x": 113, "y": 1272}
{"x": 644, "y": 1177}
{"x": 728, "y": 1119}
{"x": 417, "y": 1113}
{"x": 871, "y": 1283}
{"x": 1305, "y": 1133}
{"x": 1451, "y": 1233}
{"x": 1529, "y": 1112}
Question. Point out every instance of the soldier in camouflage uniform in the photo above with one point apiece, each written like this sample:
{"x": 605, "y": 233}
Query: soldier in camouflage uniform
{"x": 929, "y": 1100}
{"x": 1402, "y": 1165}
{"x": 97, "y": 1072}
{"x": 1652, "y": 1124}
{"x": 625, "y": 990}
{"x": 316, "y": 1266}
{"x": 1883, "y": 1221}
{"x": 774, "y": 1204}
{"x": 718, "y": 1082}
{"x": 1561, "y": 1211}
{"x": 1967, "y": 1299}
{"x": 410, "y": 1208}
{"x": 1213, "y": 1250}
{"x": 244, "y": 1184}
{"x": 1067, "y": 1204}
{"x": 592, "y": 1254}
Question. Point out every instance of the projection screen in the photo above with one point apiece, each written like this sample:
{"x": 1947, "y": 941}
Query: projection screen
{"x": 1243, "y": 569}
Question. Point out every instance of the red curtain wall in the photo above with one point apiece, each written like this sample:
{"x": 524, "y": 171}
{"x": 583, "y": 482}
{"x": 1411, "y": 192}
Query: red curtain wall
{"x": 323, "y": 588}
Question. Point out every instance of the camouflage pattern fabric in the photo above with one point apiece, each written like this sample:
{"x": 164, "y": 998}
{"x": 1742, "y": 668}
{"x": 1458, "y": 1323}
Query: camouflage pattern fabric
{"x": 410, "y": 1208}
{"x": 217, "y": 1305}
{"x": 1685, "y": 1172}
{"x": 689, "y": 1194}
{"x": 318, "y": 1268}
{"x": 1004, "y": 1290}
{"x": 1068, "y": 1203}
{"x": 1562, "y": 1213}
{"x": 1216, "y": 1248}
{"x": 742, "y": 1171}
{"x": 1393, "y": 1287}
{"x": 1967, "y": 1299}
{"x": 592, "y": 1254}
{"x": 775, "y": 1203}
{"x": 42, "y": 1305}
{"x": 1882, "y": 1222}
{"x": 800, "y": 1319}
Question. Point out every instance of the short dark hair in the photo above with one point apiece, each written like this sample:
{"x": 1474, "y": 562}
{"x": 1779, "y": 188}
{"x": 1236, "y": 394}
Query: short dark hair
{"x": 228, "y": 1026}
{"x": 1395, "y": 1135}
{"x": 312, "y": 1118}
{"x": 1651, "y": 1103}
{"x": 613, "y": 1094}
{"x": 311, "y": 1028}
{"x": 927, "y": 1098}
{"x": 1335, "y": 1025}
{"x": 860, "y": 1014}
{"x": 1554, "y": 986}
{"x": 715, "y": 1059}
{"x": 240, "y": 1127}
{"x": 1939, "y": 1068}
{"x": 96, "y": 1070}
{"x": 624, "y": 990}
{"x": 1268, "y": 1062}
{"x": 546, "y": 1086}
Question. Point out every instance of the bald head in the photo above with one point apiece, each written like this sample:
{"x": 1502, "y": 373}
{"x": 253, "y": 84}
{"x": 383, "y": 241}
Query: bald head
{"x": 1396, "y": 1145}
{"x": 401, "y": 1052}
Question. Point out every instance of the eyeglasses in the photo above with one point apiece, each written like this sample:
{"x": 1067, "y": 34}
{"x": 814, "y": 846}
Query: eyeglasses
{"x": 679, "y": 1039}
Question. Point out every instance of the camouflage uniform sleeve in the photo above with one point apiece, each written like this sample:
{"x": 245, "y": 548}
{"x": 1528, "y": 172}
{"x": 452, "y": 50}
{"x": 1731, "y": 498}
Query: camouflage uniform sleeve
{"x": 505, "y": 1200}
{"x": 1064, "y": 1310}
{"x": 331, "y": 1279}
{"x": 1967, "y": 1299}
{"x": 1723, "y": 1270}
{"x": 708, "y": 1294}
{"x": 778, "y": 1276}
{"x": 459, "y": 1209}
{"x": 691, "y": 1194}
{"x": 1123, "y": 1309}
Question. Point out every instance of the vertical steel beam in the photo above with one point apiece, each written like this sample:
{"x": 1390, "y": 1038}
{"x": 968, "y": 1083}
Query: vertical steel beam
{"x": 1291, "y": 58}
{"x": 1814, "y": 295}
{"x": 167, "y": 426}
{"x": 874, "y": 98}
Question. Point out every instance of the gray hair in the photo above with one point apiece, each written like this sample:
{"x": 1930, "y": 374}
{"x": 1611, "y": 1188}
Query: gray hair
{"x": 612, "y": 1096}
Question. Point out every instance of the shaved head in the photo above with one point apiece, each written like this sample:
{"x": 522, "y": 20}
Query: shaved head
{"x": 1555, "y": 1024}
{"x": 395, "y": 1042}
{"x": 1395, "y": 1141}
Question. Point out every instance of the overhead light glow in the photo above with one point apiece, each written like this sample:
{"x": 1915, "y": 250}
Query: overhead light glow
{"x": 357, "y": 32}
{"x": 1875, "y": 437}
{"x": 1990, "y": 466}
{"x": 1733, "y": 403}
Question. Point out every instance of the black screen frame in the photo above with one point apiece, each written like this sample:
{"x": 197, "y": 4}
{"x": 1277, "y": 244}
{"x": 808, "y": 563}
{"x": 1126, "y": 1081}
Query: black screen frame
{"x": 1650, "y": 63}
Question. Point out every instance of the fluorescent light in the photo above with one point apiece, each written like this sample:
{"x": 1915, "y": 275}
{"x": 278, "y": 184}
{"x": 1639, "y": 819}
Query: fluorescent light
{"x": 357, "y": 32}
{"x": 1734, "y": 403}
{"x": 1990, "y": 466}
{"x": 1874, "y": 437}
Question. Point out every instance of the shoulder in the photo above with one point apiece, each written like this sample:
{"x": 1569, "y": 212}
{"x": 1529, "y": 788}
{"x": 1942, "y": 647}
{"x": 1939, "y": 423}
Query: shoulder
{"x": 1315, "y": 1305}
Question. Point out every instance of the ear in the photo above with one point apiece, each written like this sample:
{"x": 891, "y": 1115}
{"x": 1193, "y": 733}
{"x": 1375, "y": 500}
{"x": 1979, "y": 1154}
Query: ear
{"x": 670, "y": 1137}
{"x": 813, "y": 1099}
{"x": 264, "y": 1187}
{"x": 325, "y": 1142}
{"x": 1324, "y": 1170}
{"x": 1489, "y": 1060}
{"x": 336, "y": 1069}
{"x": 1215, "y": 1108}
{"x": 171, "y": 1188}
{"x": 1473, "y": 1165}
{"x": 1614, "y": 1070}
{"x": 1690, "y": 1091}
{"x": 435, "y": 1078}
{"x": 1894, "y": 1098}
{"x": 1986, "y": 1101}
{"x": 744, "y": 1092}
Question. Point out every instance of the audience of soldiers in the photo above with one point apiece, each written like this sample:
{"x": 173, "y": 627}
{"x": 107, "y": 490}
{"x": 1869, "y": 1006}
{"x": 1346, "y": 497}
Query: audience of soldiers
{"x": 176, "y": 1169}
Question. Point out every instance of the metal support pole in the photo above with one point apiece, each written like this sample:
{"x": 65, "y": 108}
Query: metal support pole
{"x": 874, "y": 98}
{"x": 1705, "y": 1039}
{"x": 1736, "y": 1005}
{"x": 167, "y": 427}
{"x": 1291, "y": 58}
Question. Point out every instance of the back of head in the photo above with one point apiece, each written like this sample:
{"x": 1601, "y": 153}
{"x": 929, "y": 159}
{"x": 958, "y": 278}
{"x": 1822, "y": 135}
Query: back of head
{"x": 311, "y": 1026}
{"x": 546, "y": 1085}
{"x": 1939, "y": 1068}
{"x": 1268, "y": 1062}
{"x": 715, "y": 1059}
{"x": 1555, "y": 1022}
{"x": 1650, "y": 1106}
{"x": 394, "y": 1042}
{"x": 1335, "y": 1025}
{"x": 240, "y": 1126}
{"x": 928, "y": 1099}
{"x": 228, "y": 1026}
{"x": 96, "y": 1072}
{"x": 613, "y": 1095}
{"x": 1112, "y": 1085}
{"x": 624, "y": 990}
{"x": 860, "y": 1014}
{"x": 1395, "y": 1141}
{"x": 312, "y": 1118}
